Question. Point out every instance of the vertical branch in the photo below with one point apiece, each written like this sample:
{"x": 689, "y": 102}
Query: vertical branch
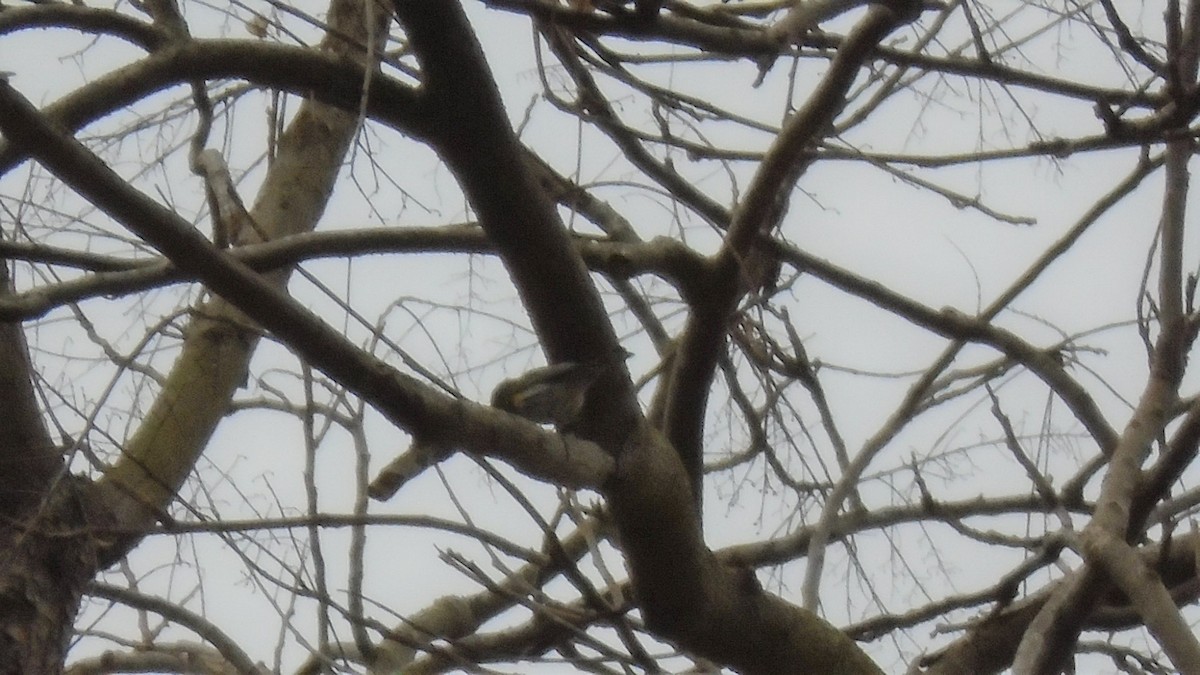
{"x": 764, "y": 206}
{"x": 473, "y": 135}
{"x": 220, "y": 340}
{"x": 28, "y": 459}
{"x": 1046, "y": 643}
{"x": 321, "y": 587}
{"x": 358, "y": 539}
{"x": 1171, "y": 227}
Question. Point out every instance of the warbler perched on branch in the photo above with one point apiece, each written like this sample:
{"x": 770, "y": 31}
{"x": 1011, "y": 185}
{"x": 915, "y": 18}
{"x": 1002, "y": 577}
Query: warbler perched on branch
{"x": 552, "y": 394}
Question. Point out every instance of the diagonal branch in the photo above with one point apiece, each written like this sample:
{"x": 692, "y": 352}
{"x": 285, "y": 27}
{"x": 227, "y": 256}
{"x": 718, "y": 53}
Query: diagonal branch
{"x": 703, "y": 340}
{"x": 335, "y": 81}
{"x": 1059, "y": 622}
{"x": 483, "y": 152}
{"x": 402, "y": 399}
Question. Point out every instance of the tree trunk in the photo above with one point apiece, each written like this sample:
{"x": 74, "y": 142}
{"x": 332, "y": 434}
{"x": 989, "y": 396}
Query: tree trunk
{"x": 44, "y": 570}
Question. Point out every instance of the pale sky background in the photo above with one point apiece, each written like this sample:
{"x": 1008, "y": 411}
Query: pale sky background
{"x": 859, "y": 218}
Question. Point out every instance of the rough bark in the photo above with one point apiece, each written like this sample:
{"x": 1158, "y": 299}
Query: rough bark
{"x": 686, "y": 596}
{"x": 49, "y": 557}
{"x": 49, "y": 552}
{"x": 41, "y": 576}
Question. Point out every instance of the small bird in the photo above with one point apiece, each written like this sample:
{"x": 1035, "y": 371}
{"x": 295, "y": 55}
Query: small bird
{"x": 552, "y": 394}
{"x": 258, "y": 26}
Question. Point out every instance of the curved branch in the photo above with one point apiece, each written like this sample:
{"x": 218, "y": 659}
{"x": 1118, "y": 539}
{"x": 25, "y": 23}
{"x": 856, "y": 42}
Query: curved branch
{"x": 326, "y": 78}
{"x": 83, "y": 19}
{"x": 229, "y": 648}
{"x": 733, "y": 269}
{"x": 403, "y": 400}
{"x": 472, "y": 134}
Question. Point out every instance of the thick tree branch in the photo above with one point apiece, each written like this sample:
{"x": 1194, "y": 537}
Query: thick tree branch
{"x": 29, "y": 459}
{"x": 404, "y": 400}
{"x": 471, "y": 133}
